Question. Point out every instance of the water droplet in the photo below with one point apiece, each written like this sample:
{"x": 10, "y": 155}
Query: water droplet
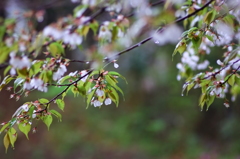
{"x": 156, "y": 42}
{"x": 87, "y": 62}
{"x": 182, "y": 94}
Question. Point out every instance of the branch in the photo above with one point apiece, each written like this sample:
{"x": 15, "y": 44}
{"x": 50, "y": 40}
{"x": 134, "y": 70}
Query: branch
{"x": 161, "y": 29}
{"x": 215, "y": 73}
{"x": 68, "y": 85}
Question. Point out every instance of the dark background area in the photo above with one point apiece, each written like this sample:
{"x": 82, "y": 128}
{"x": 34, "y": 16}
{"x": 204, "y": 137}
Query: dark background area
{"x": 154, "y": 121}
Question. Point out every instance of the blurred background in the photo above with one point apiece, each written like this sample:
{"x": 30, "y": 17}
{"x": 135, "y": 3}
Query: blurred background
{"x": 152, "y": 121}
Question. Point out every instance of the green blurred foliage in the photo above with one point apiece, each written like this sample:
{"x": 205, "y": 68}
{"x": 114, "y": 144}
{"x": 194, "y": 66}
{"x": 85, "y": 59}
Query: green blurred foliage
{"x": 154, "y": 121}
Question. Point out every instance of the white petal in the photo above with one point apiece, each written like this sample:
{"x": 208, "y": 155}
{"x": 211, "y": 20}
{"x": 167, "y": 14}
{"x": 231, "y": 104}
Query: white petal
{"x": 116, "y": 65}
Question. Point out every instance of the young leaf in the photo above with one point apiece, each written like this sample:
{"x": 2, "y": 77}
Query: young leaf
{"x": 47, "y": 119}
{"x": 231, "y": 80}
{"x": 60, "y": 104}
{"x": 6, "y": 141}
{"x": 12, "y": 134}
{"x": 4, "y": 127}
{"x": 90, "y": 96}
{"x": 114, "y": 96}
{"x": 43, "y": 101}
{"x": 24, "y": 127}
{"x": 57, "y": 114}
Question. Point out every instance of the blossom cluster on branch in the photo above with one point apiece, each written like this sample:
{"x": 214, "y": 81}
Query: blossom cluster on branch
{"x": 36, "y": 60}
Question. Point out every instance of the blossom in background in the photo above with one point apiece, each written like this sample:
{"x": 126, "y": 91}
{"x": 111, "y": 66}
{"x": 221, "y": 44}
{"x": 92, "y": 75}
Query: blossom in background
{"x": 72, "y": 39}
{"x": 171, "y": 34}
{"x": 60, "y": 72}
{"x": 19, "y": 62}
{"x": 52, "y": 32}
{"x": 105, "y": 33}
{"x": 225, "y": 32}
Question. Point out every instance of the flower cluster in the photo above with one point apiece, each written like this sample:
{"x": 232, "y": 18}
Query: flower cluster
{"x": 18, "y": 63}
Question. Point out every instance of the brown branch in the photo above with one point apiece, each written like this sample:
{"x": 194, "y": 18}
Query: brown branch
{"x": 219, "y": 71}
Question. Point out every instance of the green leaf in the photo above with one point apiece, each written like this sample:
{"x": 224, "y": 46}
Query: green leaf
{"x": 6, "y": 141}
{"x": 24, "y": 127}
{"x": 23, "y": 73}
{"x": 35, "y": 68}
{"x": 112, "y": 81}
{"x": 231, "y": 80}
{"x": 64, "y": 95}
{"x": 2, "y": 32}
{"x": 210, "y": 16}
{"x": 46, "y": 76}
{"x": 47, "y": 119}
{"x": 18, "y": 82}
{"x": 202, "y": 100}
{"x": 180, "y": 47}
{"x": 6, "y": 70}
{"x": 197, "y": 40}
{"x": 4, "y": 127}
{"x": 190, "y": 86}
{"x": 210, "y": 100}
{"x": 64, "y": 78}
{"x": 94, "y": 26}
{"x": 43, "y": 101}
{"x": 60, "y": 104}
{"x": 12, "y": 134}
{"x": 90, "y": 96}
{"x": 55, "y": 49}
{"x": 113, "y": 73}
{"x": 5, "y": 81}
{"x": 114, "y": 96}
{"x": 4, "y": 52}
{"x": 80, "y": 9}
{"x": 57, "y": 114}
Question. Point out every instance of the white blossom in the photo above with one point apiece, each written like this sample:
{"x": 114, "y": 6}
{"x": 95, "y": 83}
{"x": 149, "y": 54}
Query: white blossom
{"x": 89, "y": 2}
{"x": 97, "y": 103}
{"x": 107, "y": 101}
{"x": 37, "y": 83}
{"x": 105, "y": 33}
{"x": 60, "y": 72}
{"x": 83, "y": 73}
{"x": 13, "y": 71}
{"x": 219, "y": 62}
{"x": 72, "y": 39}
{"x": 19, "y": 62}
{"x": 171, "y": 34}
{"x": 225, "y": 31}
{"x": 27, "y": 86}
{"x": 100, "y": 92}
{"x": 73, "y": 73}
{"x": 115, "y": 65}
{"x": 25, "y": 107}
{"x": 203, "y": 65}
{"x": 34, "y": 114}
{"x": 53, "y": 32}
{"x": 226, "y": 105}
